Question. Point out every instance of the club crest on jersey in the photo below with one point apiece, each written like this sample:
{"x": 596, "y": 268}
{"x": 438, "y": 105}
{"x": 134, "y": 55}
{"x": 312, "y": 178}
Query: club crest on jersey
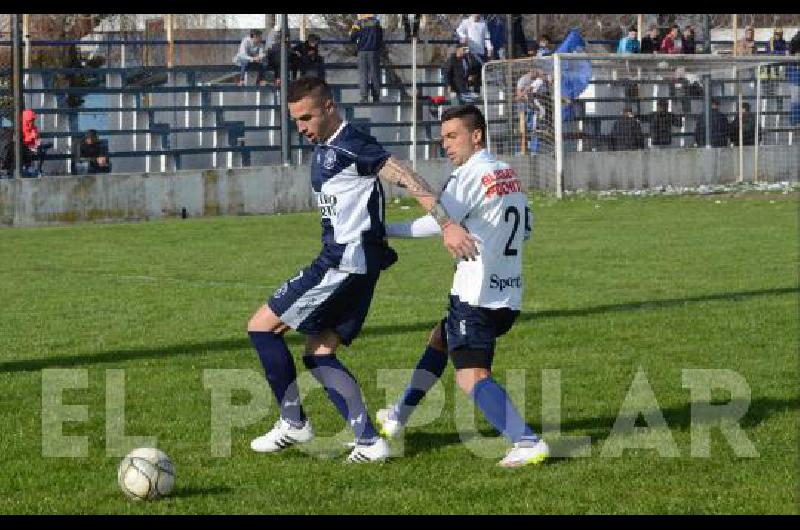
{"x": 330, "y": 159}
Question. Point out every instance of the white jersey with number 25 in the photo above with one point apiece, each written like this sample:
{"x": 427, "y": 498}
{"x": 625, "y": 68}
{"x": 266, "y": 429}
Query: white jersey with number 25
{"x": 486, "y": 196}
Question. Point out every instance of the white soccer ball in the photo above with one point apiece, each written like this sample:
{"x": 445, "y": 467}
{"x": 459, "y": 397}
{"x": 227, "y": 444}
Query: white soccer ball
{"x": 146, "y": 474}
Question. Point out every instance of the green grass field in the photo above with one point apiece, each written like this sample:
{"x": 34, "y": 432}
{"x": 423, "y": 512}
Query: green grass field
{"x": 613, "y": 286}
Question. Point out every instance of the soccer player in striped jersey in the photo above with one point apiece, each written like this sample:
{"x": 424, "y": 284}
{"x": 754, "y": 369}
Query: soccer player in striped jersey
{"x": 328, "y": 300}
{"x": 486, "y": 196}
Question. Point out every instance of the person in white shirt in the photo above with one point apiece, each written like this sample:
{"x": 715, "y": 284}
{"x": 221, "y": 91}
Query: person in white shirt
{"x": 488, "y": 199}
{"x": 473, "y": 32}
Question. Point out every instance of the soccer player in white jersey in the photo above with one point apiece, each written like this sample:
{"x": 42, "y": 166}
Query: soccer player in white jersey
{"x": 328, "y": 300}
{"x": 486, "y": 196}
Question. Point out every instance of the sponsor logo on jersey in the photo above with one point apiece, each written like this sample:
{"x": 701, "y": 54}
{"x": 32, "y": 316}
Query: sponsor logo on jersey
{"x": 330, "y": 159}
{"x": 501, "y": 182}
{"x": 496, "y": 282}
{"x": 326, "y": 205}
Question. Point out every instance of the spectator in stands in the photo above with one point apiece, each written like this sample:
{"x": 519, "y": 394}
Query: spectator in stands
{"x": 668, "y": 43}
{"x": 629, "y": 43}
{"x": 93, "y": 152}
{"x": 747, "y": 44}
{"x": 794, "y": 44}
{"x": 252, "y": 56}
{"x": 31, "y": 141}
{"x": 545, "y": 46}
{"x": 749, "y": 129}
{"x": 720, "y": 128}
{"x": 273, "y": 48}
{"x": 496, "y": 24}
{"x": 472, "y": 32}
{"x": 651, "y": 42}
{"x": 411, "y": 27}
{"x": 367, "y": 33}
{"x": 306, "y": 60}
{"x": 534, "y": 101}
{"x": 777, "y": 44}
{"x": 463, "y": 74}
{"x": 626, "y": 134}
{"x": 518, "y": 37}
{"x": 661, "y": 123}
{"x": 6, "y": 152}
{"x": 688, "y": 45}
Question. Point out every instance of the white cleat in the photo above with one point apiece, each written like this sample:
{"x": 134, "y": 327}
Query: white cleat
{"x": 377, "y": 452}
{"x": 387, "y": 425}
{"x": 281, "y": 436}
{"x": 525, "y": 453}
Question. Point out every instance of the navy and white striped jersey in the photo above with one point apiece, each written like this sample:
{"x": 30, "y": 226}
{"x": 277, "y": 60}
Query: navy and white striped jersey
{"x": 349, "y": 196}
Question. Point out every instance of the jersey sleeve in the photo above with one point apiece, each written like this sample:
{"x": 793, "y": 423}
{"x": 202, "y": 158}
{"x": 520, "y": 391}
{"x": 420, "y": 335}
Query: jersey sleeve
{"x": 462, "y": 194}
{"x": 370, "y": 158}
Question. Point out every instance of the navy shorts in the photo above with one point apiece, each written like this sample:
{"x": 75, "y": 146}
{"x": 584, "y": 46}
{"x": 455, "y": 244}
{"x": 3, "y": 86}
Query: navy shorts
{"x": 468, "y": 327}
{"x": 321, "y": 297}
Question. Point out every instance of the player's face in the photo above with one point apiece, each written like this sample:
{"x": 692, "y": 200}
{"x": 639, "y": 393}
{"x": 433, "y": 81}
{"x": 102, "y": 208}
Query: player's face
{"x": 314, "y": 119}
{"x": 459, "y": 142}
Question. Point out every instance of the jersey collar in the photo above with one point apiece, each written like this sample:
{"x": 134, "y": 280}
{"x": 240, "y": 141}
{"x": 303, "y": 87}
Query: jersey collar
{"x": 335, "y": 134}
{"x": 483, "y": 153}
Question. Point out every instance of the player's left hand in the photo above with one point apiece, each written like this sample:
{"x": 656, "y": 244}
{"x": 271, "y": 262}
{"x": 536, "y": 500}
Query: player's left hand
{"x": 459, "y": 242}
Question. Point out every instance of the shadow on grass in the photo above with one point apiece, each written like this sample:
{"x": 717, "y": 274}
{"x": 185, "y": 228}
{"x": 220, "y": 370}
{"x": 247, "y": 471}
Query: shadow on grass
{"x": 678, "y": 418}
{"x": 226, "y": 345}
{"x": 194, "y": 491}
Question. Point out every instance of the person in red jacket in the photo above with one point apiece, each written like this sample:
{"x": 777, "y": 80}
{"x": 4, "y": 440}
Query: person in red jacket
{"x": 31, "y": 139}
{"x": 668, "y": 44}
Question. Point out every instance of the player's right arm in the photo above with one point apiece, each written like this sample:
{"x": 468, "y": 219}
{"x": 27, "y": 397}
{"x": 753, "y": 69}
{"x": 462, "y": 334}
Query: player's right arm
{"x": 457, "y": 240}
{"x": 425, "y": 226}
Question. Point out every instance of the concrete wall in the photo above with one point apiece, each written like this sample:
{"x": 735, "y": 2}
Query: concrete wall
{"x": 141, "y": 196}
{"x": 271, "y": 189}
{"x": 677, "y": 167}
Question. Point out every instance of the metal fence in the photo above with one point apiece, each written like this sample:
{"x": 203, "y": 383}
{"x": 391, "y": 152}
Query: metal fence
{"x": 581, "y": 121}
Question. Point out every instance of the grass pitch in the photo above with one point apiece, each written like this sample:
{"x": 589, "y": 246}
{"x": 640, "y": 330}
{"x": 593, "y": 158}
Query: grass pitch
{"x": 614, "y": 288}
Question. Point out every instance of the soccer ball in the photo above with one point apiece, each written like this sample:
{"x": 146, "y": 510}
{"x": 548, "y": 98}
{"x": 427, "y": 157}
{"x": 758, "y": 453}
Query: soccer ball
{"x": 146, "y": 474}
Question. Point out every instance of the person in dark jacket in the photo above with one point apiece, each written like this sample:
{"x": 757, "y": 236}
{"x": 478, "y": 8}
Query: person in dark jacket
{"x": 518, "y": 36}
{"x": 651, "y": 42}
{"x": 749, "y": 129}
{"x": 720, "y": 128}
{"x": 627, "y": 134}
{"x": 463, "y": 72}
{"x": 367, "y": 33}
{"x": 688, "y": 45}
{"x": 306, "y": 60}
{"x": 661, "y": 123}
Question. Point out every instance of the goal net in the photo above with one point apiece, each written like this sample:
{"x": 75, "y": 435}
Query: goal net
{"x": 600, "y": 122}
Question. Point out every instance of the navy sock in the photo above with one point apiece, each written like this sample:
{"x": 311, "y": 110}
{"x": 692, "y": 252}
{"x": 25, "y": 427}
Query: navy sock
{"x": 429, "y": 369}
{"x": 500, "y": 411}
{"x": 344, "y": 392}
{"x": 281, "y": 374}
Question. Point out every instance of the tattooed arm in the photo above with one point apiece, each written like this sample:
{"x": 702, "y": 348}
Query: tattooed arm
{"x": 457, "y": 240}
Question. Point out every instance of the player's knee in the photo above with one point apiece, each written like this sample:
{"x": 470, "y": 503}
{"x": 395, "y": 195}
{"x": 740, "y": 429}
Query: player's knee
{"x": 467, "y": 378}
{"x": 436, "y": 340}
{"x": 471, "y": 366}
{"x": 265, "y": 320}
{"x": 323, "y": 344}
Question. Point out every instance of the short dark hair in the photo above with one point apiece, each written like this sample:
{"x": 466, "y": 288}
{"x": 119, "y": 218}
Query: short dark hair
{"x": 546, "y": 37}
{"x": 254, "y": 32}
{"x": 308, "y": 86}
{"x": 746, "y": 105}
{"x": 91, "y": 133}
{"x": 470, "y": 115}
{"x": 633, "y": 28}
